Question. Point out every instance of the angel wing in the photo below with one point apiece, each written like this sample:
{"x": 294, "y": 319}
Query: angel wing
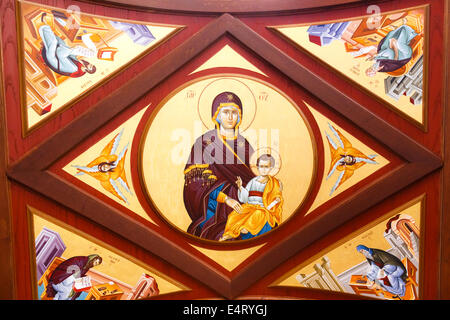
{"x": 345, "y": 142}
{"x": 122, "y": 179}
{"x": 119, "y": 165}
{"x": 345, "y": 174}
{"x": 93, "y": 172}
{"x": 331, "y": 142}
{"x": 116, "y": 188}
{"x": 335, "y": 151}
{"x": 338, "y": 182}
{"x": 366, "y": 160}
{"x": 116, "y": 142}
{"x": 111, "y": 147}
{"x": 84, "y": 169}
{"x": 333, "y": 169}
{"x": 111, "y": 186}
{"x": 124, "y": 184}
{"x": 337, "y": 135}
{"x": 121, "y": 155}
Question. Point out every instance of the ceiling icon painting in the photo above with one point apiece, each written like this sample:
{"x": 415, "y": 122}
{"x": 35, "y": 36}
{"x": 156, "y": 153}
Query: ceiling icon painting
{"x": 347, "y": 160}
{"x": 73, "y": 266}
{"x": 66, "y": 53}
{"x": 383, "y": 53}
{"x": 286, "y": 136}
{"x": 106, "y": 166}
{"x": 233, "y": 152}
{"x": 380, "y": 260}
{"x": 177, "y": 163}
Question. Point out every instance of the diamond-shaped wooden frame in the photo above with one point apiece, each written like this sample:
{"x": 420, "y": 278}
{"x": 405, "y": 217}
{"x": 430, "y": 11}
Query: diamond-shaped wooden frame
{"x": 32, "y": 170}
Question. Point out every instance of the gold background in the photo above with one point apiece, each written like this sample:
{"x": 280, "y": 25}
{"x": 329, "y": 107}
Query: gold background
{"x": 74, "y": 87}
{"x": 129, "y": 130}
{"x": 115, "y": 265}
{"x": 343, "y": 255}
{"x": 177, "y": 124}
{"x": 360, "y": 174}
{"x": 334, "y": 54}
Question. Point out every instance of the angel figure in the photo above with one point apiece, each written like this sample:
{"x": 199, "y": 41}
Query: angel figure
{"x": 344, "y": 158}
{"x": 109, "y": 169}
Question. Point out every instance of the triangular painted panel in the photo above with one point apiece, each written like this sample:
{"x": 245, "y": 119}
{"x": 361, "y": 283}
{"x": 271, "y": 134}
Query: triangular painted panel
{"x": 66, "y": 53}
{"x": 33, "y": 170}
{"x": 383, "y": 53}
{"x": 62, "y": 254}
{"x": 393, "y": 243}
{"x": 347, "y": 160}
{"x": 106, "y": 166}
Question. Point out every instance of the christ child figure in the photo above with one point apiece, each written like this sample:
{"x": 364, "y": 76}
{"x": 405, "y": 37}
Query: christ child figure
{"x": 261, "y": 206}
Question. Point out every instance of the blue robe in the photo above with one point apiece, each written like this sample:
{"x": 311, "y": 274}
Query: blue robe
{"x": 386, "y": 55}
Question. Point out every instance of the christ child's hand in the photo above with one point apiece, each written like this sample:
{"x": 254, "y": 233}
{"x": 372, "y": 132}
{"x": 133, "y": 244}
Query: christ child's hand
{"x": 239, "y": 182}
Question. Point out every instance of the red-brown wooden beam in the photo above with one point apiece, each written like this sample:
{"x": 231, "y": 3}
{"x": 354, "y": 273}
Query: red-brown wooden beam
{"x": 444, "y": 275}
{"x": 226, "y": 6}
{"x": 6, "y": 246}
{"x": 32, "y": 170}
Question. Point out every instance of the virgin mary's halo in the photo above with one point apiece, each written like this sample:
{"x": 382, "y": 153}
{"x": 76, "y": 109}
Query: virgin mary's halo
{"x": 217, "y": 86}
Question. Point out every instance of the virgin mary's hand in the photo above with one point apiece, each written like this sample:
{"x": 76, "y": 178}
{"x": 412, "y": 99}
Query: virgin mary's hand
{"x": 236, "y": 206}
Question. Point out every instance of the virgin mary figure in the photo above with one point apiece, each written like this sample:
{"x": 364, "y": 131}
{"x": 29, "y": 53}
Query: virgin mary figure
{"x": 217, "y": 158}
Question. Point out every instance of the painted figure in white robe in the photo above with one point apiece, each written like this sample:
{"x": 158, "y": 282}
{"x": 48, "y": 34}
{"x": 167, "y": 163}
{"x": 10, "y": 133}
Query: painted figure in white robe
{"x": 61, "y": 58}
{"x": 261, "y": 206}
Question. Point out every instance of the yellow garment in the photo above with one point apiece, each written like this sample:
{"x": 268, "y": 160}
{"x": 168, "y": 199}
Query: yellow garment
{"x": 221, "y": 197}
{"x": 253, "y": 217}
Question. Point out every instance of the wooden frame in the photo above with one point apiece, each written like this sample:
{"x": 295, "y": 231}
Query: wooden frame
{"x": 217, "y": 6}
{"x": 7, "y": 286}
{"x": 21, "y": 57}
{"x": 32, "y": 170}
{"x": 30, "y": 214}
{"x": 28, "y": 169}
{"x": 445, "y": 214}
{"x": 421, "y": 125}
{"x": 419, "y": 199}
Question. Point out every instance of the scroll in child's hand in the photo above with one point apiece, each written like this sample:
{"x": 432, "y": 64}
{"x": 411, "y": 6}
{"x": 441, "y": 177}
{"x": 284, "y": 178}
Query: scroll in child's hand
{"x": 273, "y": 204}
